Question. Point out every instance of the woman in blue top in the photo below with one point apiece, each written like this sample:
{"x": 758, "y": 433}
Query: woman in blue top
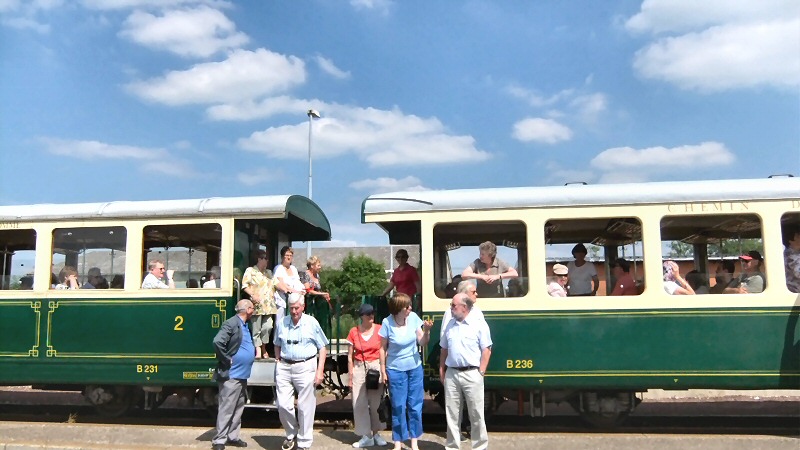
{"x": 401, "y": 334}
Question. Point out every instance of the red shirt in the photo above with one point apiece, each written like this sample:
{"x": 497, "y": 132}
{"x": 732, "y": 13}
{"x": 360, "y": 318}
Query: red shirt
{"x": 368, "y": 350}
{"x": 625, "y": 286}
{"x": 404, "y": 279}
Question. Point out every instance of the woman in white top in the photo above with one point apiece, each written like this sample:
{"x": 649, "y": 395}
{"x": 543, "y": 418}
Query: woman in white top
{"x": 287, "y": 273}
{"x": 674, "y": 284}
{"x": 558, "y": 287}
{"x": 583, "y": 278}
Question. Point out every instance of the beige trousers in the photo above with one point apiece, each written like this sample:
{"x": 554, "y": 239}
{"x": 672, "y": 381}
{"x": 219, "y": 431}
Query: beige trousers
{"x": 366, "y": 401}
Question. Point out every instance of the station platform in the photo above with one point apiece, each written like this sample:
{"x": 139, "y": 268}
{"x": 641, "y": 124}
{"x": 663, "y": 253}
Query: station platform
{"x": 59, "y": 436}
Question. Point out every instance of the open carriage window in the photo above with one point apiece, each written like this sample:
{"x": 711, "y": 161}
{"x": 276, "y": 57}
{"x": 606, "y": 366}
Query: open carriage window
{"x": 88, "y": 258}
{"x": 790, "y": 233}
{"x": 716, "y": 254}
{"x": 18, "y": 250}
{"x": 493, "y": 255}
{"x": 600, "y": 256}
{"x": 191, "y": 250}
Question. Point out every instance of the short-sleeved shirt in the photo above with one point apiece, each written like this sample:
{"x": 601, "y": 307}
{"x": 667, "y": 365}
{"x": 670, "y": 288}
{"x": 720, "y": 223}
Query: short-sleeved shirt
{"x": 301, "y": 341}
{"x": 404, "y": 279}
{"x": 290, "y": 278}
{"x": 670, "y": 287}
{"x": 402, "y": 353}
{"x": 754, "y": 282}
{"x": 152, "y": 282}
{"x": 475, "y": 313}
{"x": 315, "y": 285}
{"x": 365, "y": 349}
{"x": 791, "y": 260}
{"x": 556, "y": 290}
{"x": 625, "y": 286}
{"x": 497, "y": 267}
{"x": 264, "y": 284}
{"x": 465, "y": 340}
{"x": 580, "y": 278}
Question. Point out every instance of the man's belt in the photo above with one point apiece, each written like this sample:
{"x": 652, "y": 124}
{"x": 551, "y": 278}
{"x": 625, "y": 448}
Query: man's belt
{"x": 463, "y": 368}
{"x": 297, "y": 361}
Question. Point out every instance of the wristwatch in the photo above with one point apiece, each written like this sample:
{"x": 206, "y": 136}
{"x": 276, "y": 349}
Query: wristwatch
{"x": 482, "y": 372}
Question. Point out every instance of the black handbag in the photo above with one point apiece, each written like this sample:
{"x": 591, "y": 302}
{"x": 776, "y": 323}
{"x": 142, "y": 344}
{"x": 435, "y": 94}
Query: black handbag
{"x": 385, "y": 409}
{"x": 372, "y": 379}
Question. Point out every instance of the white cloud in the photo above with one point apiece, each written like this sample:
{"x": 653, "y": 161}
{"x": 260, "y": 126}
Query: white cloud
{"x": 24, "y": 23}
{"x": 386, "y": 184}
{"x": 704, "y": 155}
{"x": 718, "y": 45}
{"x": 727, "y": 57}
{"x": 535, "y": 99}
{"x": 93, "y": 150}
{"x": 242, "y": 76}
{"x": 590, "y": 107}
{"x": 254, "y": 177}
{"x": 330, "y": 68}
{"x": 199, "y": 32}
{"x": 379, "y": 137}
{"x": 536, "y": 129}
{"x": 252, "y": 110}
{"x": 658, "y": 16}
{"x": 104, "y": 5}
{"x": 380, "y": 6}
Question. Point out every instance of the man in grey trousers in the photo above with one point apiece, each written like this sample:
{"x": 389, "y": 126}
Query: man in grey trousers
{"x": 236, "y": 353}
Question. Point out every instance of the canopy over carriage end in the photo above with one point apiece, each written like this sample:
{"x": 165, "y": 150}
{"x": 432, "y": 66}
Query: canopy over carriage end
{"x": 303, "y": 216}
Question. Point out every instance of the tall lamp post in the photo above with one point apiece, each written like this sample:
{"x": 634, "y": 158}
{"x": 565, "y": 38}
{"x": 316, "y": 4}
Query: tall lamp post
{"x": 312, "y": 114}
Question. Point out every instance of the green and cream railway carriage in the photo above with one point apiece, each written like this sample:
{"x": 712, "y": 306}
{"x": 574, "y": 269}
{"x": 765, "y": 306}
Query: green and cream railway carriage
{"x": 596, "y": 352}
{"x": 123, "y": 344}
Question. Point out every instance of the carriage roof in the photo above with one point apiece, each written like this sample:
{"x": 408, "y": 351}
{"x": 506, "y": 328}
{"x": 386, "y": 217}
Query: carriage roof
{"x": 582, "y": 195}
{"x": 293, "y": 207}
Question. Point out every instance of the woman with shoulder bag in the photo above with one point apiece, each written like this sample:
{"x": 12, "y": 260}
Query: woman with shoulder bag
{"x": 366, "y": 381}
{"x": 402, "y": 333}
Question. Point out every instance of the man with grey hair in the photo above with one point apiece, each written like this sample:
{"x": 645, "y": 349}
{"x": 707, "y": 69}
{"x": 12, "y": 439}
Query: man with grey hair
{"x": 466, "y": 349}
{"x": 489, "y": 271}
{"x": 298, "y": 340}
{"x": 157, "y": 271}
{"x": 93, "y": 278}
{"x": 467, "y": 288}
{"x": 236, "y": 353}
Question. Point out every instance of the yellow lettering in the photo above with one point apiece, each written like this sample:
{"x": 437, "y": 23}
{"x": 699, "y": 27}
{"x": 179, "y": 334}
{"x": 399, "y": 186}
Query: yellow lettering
{"x": 138, "y": 368}
{"x": 178, "y": 323}
{"x": 509, "y": 364}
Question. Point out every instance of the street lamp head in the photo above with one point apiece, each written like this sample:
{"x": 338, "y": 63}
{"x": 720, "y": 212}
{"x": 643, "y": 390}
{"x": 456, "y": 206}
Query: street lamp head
{"x": 313, "y": 114}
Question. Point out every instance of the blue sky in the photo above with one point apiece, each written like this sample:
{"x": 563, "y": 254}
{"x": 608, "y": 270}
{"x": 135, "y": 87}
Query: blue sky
{"x": 161, "y": 99}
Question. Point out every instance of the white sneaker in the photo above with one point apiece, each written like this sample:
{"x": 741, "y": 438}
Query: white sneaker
{"x": 379, "y": 441}
{"x": 364, "y": 442}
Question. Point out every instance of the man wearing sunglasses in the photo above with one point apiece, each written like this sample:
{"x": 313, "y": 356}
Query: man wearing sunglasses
{"x": 298, "y": 340}
{"x": 466, "y": 349}
{"x": 157, "y": 271}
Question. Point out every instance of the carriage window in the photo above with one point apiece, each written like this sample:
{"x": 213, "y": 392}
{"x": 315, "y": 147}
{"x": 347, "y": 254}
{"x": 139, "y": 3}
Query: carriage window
{"x": 490, "y": 254}
{"x": 602, "y": 256}
{"x": 18, "y": 249}
{"x": 88, "y": 258}
{"x": 191, "y": 250}
{"x": 790, "y": 230}
{"x": 713, "y": 254}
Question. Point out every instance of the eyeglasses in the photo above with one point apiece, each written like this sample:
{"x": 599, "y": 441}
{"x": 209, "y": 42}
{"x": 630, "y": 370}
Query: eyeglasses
{"x": 162, "y": 269}
{"x": 565, "y": 276}
{"x": 293, "y": 342}
{"x": 453, "y": 305}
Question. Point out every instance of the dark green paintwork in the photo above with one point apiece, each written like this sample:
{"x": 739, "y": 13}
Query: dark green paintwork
{"x": 106, "y": 340}
{"x": 752, "y": 348}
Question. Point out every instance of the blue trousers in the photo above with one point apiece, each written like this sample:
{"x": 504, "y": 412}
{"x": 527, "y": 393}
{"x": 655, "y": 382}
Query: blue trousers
{"x": 405, "y": 389}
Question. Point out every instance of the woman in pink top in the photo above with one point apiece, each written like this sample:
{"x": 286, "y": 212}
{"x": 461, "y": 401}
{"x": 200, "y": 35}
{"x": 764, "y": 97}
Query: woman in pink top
{"x": 405, "y": 278}
{"x": 364, "y": 353}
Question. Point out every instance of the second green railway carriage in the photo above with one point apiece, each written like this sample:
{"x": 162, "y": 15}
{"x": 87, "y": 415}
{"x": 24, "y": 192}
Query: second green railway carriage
{"x": 598, "y": 351}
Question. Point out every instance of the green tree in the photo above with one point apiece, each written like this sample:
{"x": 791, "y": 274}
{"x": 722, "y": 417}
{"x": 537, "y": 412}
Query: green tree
{"x": 678, "y": 249}
{"x": 359, "y": 275}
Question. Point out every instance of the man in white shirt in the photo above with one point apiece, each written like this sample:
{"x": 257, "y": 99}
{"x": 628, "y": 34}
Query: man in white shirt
{"x": 153, "y": 279}
{"x": 466, "y": 349}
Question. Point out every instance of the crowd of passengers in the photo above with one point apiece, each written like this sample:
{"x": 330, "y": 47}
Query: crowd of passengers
{"x": 579, "y": 277}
